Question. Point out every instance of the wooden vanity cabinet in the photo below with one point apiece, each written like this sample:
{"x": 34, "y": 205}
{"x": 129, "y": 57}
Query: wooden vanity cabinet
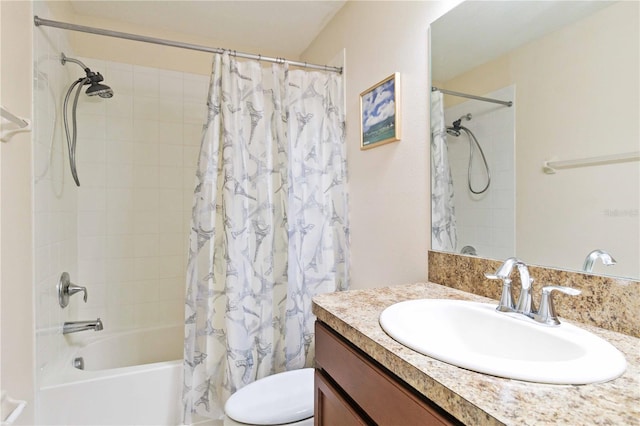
{"x": 353, "y": 389}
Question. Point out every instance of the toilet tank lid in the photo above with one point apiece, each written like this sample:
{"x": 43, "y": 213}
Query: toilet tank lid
{"x": 280, "y": 398}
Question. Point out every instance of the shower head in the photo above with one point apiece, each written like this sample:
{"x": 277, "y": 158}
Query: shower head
{"x": 93, "y": 79}
{"x": 101, "y": 90}
{"x": 96, "y": 87}
{"x": 454, "y": 129}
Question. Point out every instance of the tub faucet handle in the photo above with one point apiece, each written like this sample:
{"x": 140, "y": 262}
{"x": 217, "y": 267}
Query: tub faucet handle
{"x": 66, "y": 289}
{"x": 73, "y": 289}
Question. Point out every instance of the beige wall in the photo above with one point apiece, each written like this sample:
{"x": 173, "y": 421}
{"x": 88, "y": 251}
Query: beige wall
{"x": 592, "y": 110}
{"x": 17, "y": 348}
{"x": 388, "y": 185}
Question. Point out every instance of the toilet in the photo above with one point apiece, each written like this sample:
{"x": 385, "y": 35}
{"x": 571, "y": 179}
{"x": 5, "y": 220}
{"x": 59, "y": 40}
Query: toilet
{"x": 280, "y": 399}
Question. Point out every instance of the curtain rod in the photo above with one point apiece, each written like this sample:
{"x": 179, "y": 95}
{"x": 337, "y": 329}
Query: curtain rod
{"x": 477, "y": 98}
{"x": 109, "y": 33}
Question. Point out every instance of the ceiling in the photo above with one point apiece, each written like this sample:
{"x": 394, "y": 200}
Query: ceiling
{"x": 285, "y": 28}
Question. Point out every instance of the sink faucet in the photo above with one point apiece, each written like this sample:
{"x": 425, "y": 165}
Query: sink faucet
{"x": 75, "y": 326}
{"x": 546, "y": 315}
{"x": 525, "y": 302}
{"x": 593, "y": 256}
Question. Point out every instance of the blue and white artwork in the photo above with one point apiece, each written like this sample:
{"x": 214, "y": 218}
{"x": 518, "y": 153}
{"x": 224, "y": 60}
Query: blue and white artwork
{"x": 379, "y": 113}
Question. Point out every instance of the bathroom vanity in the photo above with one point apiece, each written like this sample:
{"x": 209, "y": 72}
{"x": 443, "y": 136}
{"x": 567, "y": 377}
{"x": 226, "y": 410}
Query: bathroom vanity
{"x": 353, "y": 389}
{"x": 363, "y": 376}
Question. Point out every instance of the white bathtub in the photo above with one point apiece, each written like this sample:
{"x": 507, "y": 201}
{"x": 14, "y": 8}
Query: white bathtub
{"x": 130, "y": 378}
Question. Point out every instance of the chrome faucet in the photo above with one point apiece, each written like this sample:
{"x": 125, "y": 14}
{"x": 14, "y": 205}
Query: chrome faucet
{"x": 75, "y": 326}
{"x": 525, "y": 302}
{"x": 546, "y": 315}
{"x": 593, "y": 256}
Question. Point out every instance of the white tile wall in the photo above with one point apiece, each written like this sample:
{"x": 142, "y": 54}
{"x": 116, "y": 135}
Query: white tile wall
{"x": 133, "y": 215}
{"x": 55, "y": 203}
{"x": 123, "y": 234}
{"x": 487, "y": 221}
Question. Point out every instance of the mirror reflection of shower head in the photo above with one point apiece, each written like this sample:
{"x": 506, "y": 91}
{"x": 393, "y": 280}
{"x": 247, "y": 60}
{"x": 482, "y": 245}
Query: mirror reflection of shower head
{"x": 454, "y": 129}
{"x": 94, "y": 81}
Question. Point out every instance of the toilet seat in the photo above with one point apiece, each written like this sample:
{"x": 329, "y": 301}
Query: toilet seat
{"x": 274, "y": 400}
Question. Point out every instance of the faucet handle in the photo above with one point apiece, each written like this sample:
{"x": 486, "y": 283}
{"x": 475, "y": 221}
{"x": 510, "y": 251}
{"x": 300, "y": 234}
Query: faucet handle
{"x": 506, "y": 299}
{"x": 73, "y": 289}
{"x": 547, "y": 313}
{"x": 494, "y": 276}
{"x": 66, "y": 289}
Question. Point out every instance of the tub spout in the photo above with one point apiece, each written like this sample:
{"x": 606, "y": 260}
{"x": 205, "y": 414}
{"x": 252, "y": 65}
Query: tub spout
{"x": 75, "y": 326}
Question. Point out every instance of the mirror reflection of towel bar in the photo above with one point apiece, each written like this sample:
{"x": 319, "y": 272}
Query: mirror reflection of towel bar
{"x": 550, "y": 166}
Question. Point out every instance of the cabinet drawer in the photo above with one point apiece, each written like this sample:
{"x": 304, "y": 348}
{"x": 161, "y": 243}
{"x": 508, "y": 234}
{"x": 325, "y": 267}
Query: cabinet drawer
{"x": 376, "y": 391}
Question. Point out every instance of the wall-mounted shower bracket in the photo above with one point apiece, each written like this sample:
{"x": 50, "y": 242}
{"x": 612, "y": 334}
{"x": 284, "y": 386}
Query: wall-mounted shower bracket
{"x": 66, "y": 289}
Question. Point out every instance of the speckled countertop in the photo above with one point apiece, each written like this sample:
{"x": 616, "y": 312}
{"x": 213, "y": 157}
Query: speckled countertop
{"x": 474, "y": 398}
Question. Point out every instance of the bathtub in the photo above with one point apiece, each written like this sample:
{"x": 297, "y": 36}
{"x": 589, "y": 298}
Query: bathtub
{"x": 129, "y": 378}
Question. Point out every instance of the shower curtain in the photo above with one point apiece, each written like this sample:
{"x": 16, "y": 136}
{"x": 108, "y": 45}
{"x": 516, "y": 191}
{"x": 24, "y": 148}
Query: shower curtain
{"x": 443, "y": 218}
{"x": 269, "y": 228}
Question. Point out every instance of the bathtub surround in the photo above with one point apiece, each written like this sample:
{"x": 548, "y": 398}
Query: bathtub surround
{"x": 606, "y": 302}
{"x": 269, "y": 227}
{"x": 123, "y": 233}
{"x": 137, "y": 162}
{"x": 55, "y": 202}
{"x": 128, "y": 222}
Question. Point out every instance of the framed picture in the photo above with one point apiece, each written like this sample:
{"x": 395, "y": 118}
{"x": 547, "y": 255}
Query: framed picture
{"x": 380, "y": 113}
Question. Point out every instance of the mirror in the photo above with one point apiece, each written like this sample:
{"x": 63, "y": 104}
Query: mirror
{"x": 572, "y": 72}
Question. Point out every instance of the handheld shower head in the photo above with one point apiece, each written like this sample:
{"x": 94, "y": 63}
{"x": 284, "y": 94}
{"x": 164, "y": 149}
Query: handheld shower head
{"x": 94, "y": 80}
{"x": 96, "y": 87}
{"x": 101, "y": 90}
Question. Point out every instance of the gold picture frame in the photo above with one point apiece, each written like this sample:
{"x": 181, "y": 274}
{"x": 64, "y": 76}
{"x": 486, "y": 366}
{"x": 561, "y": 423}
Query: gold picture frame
{"x": 380, "y": 120}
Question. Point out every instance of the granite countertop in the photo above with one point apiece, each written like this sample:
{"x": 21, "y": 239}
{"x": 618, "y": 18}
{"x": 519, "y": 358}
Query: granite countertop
{"x": 475, "y": 398}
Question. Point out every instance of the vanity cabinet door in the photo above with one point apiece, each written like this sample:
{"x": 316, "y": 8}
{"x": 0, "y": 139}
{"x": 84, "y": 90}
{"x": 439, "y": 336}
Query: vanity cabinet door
{"x": 370, "y": 389}
{"x": 331, "y": 408}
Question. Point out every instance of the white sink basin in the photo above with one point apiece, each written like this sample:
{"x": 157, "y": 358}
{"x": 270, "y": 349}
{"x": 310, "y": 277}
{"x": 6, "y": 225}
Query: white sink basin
{"x": 474, "y": 336}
